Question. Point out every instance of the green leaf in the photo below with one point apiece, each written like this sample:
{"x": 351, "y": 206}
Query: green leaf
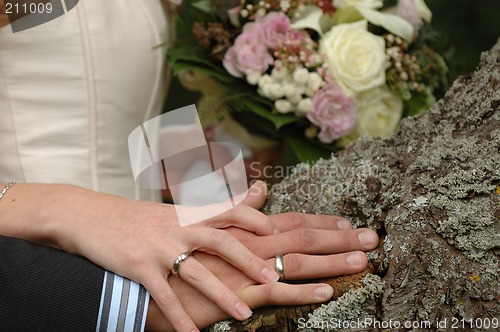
{"x": 205, "y": 6}
{"x": 419, "y": 103}
{"x": 306, "y": 151}
{"x": 183, "y": 57}
{"x": 278, "y": 120}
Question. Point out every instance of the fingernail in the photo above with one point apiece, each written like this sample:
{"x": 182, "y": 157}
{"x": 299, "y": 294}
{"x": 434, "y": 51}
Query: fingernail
{"x": 324, "y": 292}
{"x": 343, "y": 224}
{"x": 367, "y": 237}
{"x": 243, "y": 310}
{"x": 354, "y": 259}
{"x": 269, "y": 274}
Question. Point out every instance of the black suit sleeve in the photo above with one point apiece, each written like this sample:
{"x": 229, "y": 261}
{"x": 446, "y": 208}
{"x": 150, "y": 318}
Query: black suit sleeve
{"x": 43, "y": 289}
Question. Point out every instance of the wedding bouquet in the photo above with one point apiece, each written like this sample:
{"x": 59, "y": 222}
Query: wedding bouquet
{"x": 315, "y": 73}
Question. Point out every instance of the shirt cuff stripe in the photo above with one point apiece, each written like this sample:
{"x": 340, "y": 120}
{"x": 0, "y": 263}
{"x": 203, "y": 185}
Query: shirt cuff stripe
{"x": 107, "y": 289}
{"x": 124, "y": 305}
{"x": 142, "y": 310}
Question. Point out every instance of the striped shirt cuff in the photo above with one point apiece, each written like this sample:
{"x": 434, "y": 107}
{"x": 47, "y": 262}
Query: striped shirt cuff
{"x": 124, "y": 305}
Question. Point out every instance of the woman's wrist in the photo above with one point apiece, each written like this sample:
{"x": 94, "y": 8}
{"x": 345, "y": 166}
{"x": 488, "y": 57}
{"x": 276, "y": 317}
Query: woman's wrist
{"x": 27, "y": 212}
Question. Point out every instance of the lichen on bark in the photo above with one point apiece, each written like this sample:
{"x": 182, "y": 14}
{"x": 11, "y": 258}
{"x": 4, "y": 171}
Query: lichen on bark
{"x": 432, "y": 193}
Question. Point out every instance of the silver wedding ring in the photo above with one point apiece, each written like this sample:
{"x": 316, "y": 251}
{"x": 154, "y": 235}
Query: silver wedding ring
{"x": 178, "y": 260}
{"x": 278, "y": 261}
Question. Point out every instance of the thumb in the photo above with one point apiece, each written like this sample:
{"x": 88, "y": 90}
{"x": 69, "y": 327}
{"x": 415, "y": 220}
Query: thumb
{"x": 257, "y": 195}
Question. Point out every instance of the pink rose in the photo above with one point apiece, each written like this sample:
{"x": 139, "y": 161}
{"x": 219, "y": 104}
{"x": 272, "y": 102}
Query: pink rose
{"x": 275, "y": 28}
{"x": 333, "y": 112}
{"x": 248, "y": 54}
{"x": 408, "y": 10}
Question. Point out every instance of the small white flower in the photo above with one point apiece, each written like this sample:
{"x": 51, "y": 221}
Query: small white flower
{"x": 314, "y": 59}
{"x": 301, "y": 75}
{"x": 283, "y": 106}
{"x": 244, "y": 13}
{"x": 254, "y": 77}
{"x": 267, "y": 90}
{"x": 279, "y": 73}
{"x": 289, "y": 89}
{"x": 310, "y": 92}
{"x": 304, "y": 106}
{"x": 265, "y": 80}
{"x": 314, "y": 81}
{"x": 277, "y": 91}
{"x": 261, "y": 12}
{"x": 300, "y": 89}
{"x": 285, "y": 4}
{"x": 311, "y": 132}
{"x": 295, "y": 99}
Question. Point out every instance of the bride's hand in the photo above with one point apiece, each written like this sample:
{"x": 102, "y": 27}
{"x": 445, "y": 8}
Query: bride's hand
{"x": 140, "y": 241}
{"x": 313, "y": 246}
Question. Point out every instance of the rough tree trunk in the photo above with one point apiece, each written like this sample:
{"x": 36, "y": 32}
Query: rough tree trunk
{"x": 432, "y": 192}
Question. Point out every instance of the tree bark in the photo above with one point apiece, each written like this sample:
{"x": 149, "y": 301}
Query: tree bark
{"x": 432, "y": 192}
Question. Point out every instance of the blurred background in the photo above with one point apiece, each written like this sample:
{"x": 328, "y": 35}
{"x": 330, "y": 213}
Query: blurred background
{"x": 466, "y": 29}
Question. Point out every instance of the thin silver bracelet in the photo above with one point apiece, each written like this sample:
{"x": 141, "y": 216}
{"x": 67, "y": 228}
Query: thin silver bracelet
{"x": 7, "y": 186}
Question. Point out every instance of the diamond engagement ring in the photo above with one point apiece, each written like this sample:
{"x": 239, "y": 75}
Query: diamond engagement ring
{"x": 278, "y": 261}
{"x": 178, "y": 260}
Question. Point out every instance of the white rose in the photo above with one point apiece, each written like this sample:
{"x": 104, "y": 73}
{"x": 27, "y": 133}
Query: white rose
{"x": 374, "y": 4}
{"x": 378, "y": 114}
{"x": 355, "y": 56}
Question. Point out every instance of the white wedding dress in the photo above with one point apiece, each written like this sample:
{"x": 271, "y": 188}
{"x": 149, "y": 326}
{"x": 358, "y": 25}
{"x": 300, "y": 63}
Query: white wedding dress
{"x": 72, "y": 90}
